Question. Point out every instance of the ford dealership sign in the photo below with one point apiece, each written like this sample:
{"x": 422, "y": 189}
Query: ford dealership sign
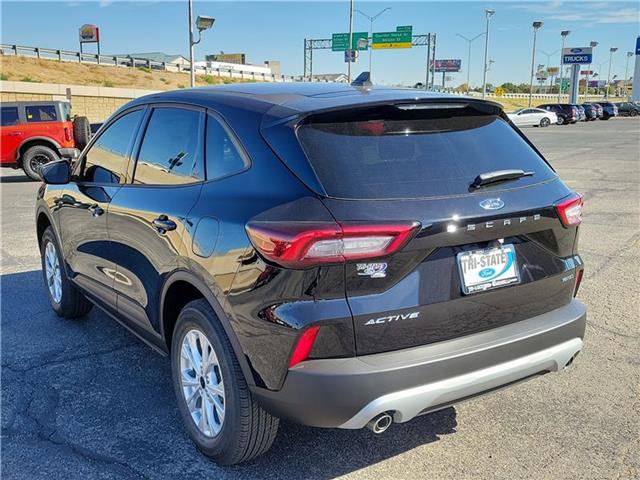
{"x": 577, "y": 55}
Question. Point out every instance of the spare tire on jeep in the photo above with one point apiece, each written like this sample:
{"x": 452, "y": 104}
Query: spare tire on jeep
{"x": 81, "y": 131}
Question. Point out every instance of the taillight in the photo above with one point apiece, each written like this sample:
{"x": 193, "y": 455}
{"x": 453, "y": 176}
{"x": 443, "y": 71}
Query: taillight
{"x": 570, "y": 210}
{"x": 67, "y": 134}
{"x": 304, "y": 346}
{"x": 579, "y": 274}
{"x": 302, "y": 244}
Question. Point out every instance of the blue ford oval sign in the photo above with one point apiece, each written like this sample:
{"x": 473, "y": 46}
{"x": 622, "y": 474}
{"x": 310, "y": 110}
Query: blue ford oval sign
{"x": 576, "y": 50}
{"x": 492, "y": 204}
{"x": 487, "y": 272}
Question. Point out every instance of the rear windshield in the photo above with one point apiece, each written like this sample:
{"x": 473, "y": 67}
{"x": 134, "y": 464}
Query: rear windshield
{"x": 416, "y": 154}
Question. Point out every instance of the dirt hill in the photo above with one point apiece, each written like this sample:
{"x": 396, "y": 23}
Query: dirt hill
{"x": 26, "y": 69}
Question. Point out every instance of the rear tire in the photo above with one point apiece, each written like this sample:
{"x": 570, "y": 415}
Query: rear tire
{"x": 65, "y": 298}
{"x": 633, "y": 113}
{"x": 560, "y": 121}
{"x": 241, "y": 429}
{"x": 545, "y": 122}
{"x": 34, "y": 158}
{"x": 81, "y": 132}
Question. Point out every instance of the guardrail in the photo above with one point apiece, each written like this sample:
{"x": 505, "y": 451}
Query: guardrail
{"x": 132, "y": 62}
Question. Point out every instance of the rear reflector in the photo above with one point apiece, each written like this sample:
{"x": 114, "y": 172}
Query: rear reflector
{"x": 304, "y": 346}
{"x": 67, "y": 134}
{"x": 302, "y": 244}
{"x": 570, "y": 210}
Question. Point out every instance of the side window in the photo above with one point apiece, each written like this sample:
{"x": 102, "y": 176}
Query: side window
{"x": 10, "y": 116}
{"x": 107, "y": 159}
{"x": 171, "y": 150}
{"x": 223, "y": 157}
{"x": 41, "y": 113}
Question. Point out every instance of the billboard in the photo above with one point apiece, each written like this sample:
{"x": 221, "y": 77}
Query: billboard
{"x": 448, "y": 65}
{"x": 237, "y": 58}
{"x": 89, "y": 33}
{"x": 597, "y": 83}
{"x": 553, "y": 71}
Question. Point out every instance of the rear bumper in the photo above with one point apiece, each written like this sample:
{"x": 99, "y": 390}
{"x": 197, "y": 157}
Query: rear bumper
{"x": 349, "y": 392}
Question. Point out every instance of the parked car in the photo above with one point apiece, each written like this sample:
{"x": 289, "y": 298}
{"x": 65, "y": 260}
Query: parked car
{"x": 566, "y": 113}
{"x": 608, "y": 110}
{"x": 628, "y": 109}
{"x": 533, "y": 117}
{"x": 35, "y": 133}
{"x": 582, "y": 115}
{"x": 592, "y": 111}
{"x": 318, "y": 252}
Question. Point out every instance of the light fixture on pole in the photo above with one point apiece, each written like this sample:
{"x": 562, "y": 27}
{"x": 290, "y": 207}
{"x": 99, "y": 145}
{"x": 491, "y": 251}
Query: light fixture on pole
{"x": 203, "y": 22}
{"x": 536, "y": 26}
{"x": 586, "y": 87}
{"x": 488, "y": 14}
{"x": 563, "y": 34}
{"x": 371, "y": 20}
{"x": 469, "y": 41}
{"x": 626, "y": 72}
{"x": 612, "y": 50}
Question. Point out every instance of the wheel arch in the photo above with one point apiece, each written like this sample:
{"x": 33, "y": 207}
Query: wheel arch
{"x": 191, "y": 287}
{"x": 36, "y": 141}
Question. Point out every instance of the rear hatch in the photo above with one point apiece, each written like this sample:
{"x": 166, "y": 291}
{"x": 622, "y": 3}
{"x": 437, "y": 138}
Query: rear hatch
{"x": 483, "y": 256}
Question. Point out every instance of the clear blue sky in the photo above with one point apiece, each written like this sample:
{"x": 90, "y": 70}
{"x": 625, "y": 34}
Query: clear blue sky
{"x": 275, "y": 30}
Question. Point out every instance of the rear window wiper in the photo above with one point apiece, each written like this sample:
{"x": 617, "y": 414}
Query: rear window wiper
{"x": 496, "y": 176}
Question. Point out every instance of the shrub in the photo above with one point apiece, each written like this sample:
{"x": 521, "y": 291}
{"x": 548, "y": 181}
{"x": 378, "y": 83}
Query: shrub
{"x": 144, "y": 69}
{"x": 107, "y": 83}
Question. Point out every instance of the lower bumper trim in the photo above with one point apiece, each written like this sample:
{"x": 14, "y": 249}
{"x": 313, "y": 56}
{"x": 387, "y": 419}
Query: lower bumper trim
{"x": 406, "y": 404}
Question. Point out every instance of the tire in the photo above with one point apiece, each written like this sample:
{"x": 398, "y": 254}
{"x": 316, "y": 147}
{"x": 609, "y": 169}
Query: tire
{"x": 81, "y": 132}
{"x": 561, "y": 121}
{"x": 244, "y": 430}
{"x": 70, "y": 303}
{"x": 633, "y": 113}
{"x": 34, "y": 158}
{"x": 545, "y": 122}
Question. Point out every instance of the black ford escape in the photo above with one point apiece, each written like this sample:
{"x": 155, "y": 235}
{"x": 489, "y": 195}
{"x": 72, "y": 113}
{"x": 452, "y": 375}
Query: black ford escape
{"x": 339, "y": 256}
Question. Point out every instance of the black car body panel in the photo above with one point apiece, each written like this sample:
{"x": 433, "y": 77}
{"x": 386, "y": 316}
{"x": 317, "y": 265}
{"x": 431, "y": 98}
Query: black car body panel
{"x": 140, "y": 249}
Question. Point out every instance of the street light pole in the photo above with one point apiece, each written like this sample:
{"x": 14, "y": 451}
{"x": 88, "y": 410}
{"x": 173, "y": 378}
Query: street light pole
{"x": 192, "y": 70}
{"x": 549, "y": 55}
{"x": 564, "y": 35}
{"x": 469, "y": 41}
{"x": 488, "y": 13}
{"x": 612, "y": 50}
{"x": 626, "y": 72}
{"x": 536, "y": 26}
{"x": 586, "y": 87}
{"x": 350, "y": 40}
{"x": 371, "y": 20}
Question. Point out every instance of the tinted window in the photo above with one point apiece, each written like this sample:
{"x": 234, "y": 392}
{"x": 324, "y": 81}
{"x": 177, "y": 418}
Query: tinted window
{"x": 439, "y": 154}
{"x": 171, "y": 149}
{"x": 10, "y": 116}
{"x": 107, "y": 160}
{"x": 223, "y": 158}
{"x": 41, "y": 113}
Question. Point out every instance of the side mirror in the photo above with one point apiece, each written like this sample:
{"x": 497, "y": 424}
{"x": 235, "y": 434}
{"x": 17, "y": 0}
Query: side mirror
{"x": 56, "y": 173}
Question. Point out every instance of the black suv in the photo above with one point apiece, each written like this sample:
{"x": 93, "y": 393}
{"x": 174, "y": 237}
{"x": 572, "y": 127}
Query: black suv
{"x": 337, "y": 256}
{"x": 566, "y": 112}
{"x": 608, "y": 110}
{"x": 628, "y": 109}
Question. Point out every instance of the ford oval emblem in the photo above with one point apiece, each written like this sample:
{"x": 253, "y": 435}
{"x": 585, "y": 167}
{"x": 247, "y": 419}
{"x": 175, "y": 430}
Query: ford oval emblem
{"x": 487, "y": 272}
{"x": 576, "y": 50}
{"x": 492, "y": 204}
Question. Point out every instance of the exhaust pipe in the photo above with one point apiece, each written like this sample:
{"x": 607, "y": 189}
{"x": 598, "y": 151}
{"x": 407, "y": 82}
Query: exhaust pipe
{"x": 380, "y": 423}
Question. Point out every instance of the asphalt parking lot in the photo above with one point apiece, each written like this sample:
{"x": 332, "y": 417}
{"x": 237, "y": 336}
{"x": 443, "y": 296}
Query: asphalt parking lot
{"x": 85, "y": 399}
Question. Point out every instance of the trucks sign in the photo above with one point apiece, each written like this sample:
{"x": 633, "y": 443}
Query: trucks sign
{"x": 575, "y": 55}
{"x": 448, "y": 65}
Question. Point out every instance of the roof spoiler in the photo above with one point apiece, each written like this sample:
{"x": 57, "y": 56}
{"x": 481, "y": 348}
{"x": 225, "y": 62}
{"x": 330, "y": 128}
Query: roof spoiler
{"x": 363, "y": 80}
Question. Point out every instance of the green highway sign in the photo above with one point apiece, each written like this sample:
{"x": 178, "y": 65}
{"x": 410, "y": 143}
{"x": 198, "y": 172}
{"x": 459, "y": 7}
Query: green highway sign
{"x": 340, "y": 41}
{"x": 401, "y": 38}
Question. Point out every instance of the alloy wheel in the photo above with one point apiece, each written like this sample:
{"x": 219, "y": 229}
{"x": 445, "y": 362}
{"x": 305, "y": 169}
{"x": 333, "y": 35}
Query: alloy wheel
{"x": 53, "y": 272}
{"x": 37, "y": 161}
{"x": 202, "y": 384}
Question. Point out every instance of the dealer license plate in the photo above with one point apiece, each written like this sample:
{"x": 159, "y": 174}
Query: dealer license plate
{"x": 482, "y": 270}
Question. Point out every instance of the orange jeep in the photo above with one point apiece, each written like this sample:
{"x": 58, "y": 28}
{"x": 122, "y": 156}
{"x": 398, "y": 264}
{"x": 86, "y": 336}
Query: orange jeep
{"x": 35, "y": 133}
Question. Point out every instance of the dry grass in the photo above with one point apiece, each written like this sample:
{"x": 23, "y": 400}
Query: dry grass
{"x": 52, "y": 71}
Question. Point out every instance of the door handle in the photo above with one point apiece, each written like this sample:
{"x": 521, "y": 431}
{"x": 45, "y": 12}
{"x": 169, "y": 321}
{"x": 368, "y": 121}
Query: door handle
{"x": 95, "y": 210}
{"x": 163, "y": 224}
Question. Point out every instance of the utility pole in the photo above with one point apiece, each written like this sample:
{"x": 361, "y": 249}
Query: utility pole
{"x": 371, "y": 20}
{"x": 612, "y": 50}
{"x": 536, "y": 26}
{"x": 564, "y": 35}
{"x": 488, "y": 13}
{"x": 469, "y": 41}
{"x": 350, "y": 40}
{"x": 192, "y": 70}
{"x": 551, "y": 77}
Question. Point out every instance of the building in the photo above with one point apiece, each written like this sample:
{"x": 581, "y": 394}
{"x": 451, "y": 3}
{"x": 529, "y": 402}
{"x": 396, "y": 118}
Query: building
{"x": 331, "y": 77}
{"x": 158, "y": 57}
